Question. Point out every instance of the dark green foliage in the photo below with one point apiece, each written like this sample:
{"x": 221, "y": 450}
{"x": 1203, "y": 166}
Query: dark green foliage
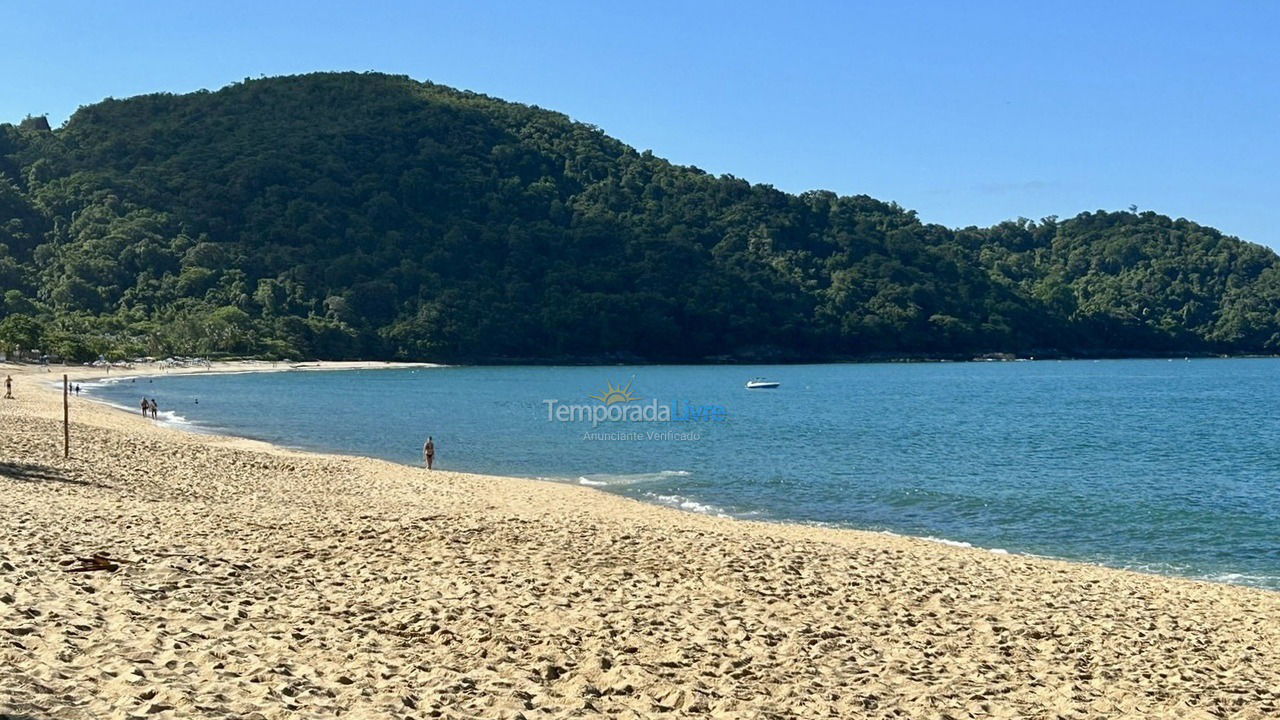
{"x": 349, "y": 215}
{"x": 35, "y": 122}
{"x": 19, "y": 334}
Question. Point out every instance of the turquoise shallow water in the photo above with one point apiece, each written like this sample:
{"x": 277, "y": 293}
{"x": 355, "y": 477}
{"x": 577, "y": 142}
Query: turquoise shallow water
{"x": 1170, "y": 467}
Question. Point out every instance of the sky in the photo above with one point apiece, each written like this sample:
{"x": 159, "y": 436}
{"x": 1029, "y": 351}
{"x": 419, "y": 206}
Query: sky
{"x": 969, "y": 113}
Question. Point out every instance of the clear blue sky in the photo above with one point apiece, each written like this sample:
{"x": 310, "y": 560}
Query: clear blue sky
{"x": 969, "y": 113}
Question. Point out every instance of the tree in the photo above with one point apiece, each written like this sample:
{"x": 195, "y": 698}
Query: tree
{"x": 20, "y": 334}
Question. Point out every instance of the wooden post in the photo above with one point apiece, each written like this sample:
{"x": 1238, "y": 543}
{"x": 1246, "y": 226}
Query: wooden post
{"x": 66, "y": 419}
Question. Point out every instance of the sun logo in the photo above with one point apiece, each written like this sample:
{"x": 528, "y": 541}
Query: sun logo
{"x": 615, "y": 394}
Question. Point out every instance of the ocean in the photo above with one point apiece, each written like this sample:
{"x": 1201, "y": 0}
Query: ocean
{"x": 1154, "y": 465}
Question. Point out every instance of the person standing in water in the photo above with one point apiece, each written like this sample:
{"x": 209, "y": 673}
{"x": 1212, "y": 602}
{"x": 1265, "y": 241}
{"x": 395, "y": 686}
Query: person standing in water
{"x": 429, "y": 452}
{"x": 8, "y": 387}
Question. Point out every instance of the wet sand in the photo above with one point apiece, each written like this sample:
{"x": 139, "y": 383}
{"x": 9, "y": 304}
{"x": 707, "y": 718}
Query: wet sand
{"x": 256, "y": 582}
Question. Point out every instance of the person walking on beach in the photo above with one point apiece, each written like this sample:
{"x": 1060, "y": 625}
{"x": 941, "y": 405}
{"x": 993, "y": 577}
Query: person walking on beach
{"x": 146, "y": 407}
{"x": 429, "y": 452}
{"x": 8, "y": 387}
{"x": 155, "y": 410}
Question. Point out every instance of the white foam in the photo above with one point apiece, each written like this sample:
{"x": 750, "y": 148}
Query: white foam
{"x": 113, "y": 380}
{"x": 944, "y": 541}
{"x": 963, "y": 544}
{"x": 1231, "y": 578}
{"x": 171, "y": 418}
{"x": 623, "y": 479}
{"x": 825, "y": 524}
{"x": 683, "y": 503}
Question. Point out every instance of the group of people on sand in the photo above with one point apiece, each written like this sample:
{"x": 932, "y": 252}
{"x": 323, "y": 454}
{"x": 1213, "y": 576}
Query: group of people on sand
{"x": 8, "y": 388}
{"x": 149, "y": 408}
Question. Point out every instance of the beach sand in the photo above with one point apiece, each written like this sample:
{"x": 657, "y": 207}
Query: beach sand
{"x": 255, "y": 582}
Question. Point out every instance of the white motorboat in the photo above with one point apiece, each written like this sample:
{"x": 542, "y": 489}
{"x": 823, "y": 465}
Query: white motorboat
{"x": 761, "y": 384}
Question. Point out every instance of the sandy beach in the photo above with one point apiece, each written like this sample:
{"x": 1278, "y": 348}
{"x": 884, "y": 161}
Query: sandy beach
{"x": 255, "y": 582}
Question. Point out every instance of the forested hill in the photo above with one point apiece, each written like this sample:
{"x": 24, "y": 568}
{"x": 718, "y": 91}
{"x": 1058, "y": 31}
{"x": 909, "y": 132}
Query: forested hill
{"x": 365, "y": 215}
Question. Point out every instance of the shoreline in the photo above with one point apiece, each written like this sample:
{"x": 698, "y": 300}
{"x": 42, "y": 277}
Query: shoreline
{"x": 258, "y": 579}
{"x": 247, "y": 367}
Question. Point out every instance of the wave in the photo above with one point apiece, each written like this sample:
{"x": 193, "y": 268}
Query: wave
{"x": 681, "y": 502}
{"x": 963, "y": 544}
{"x": 624, "y": 479}
{"x": 107, "y": 381}
{"x": 1270, "y": 582}
{"x": 170, "y": 417}
{"x": 1267, "y": 582}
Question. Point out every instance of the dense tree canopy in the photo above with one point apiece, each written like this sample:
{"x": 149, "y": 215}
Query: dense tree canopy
{"x": 341, "y": 215}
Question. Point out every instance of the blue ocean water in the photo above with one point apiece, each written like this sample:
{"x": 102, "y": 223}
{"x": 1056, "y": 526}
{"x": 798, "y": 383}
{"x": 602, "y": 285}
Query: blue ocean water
{"x": 1164, "y": 466}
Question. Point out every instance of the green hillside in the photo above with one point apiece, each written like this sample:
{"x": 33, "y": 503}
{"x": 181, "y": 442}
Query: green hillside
{"x": 343, "y": 215}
